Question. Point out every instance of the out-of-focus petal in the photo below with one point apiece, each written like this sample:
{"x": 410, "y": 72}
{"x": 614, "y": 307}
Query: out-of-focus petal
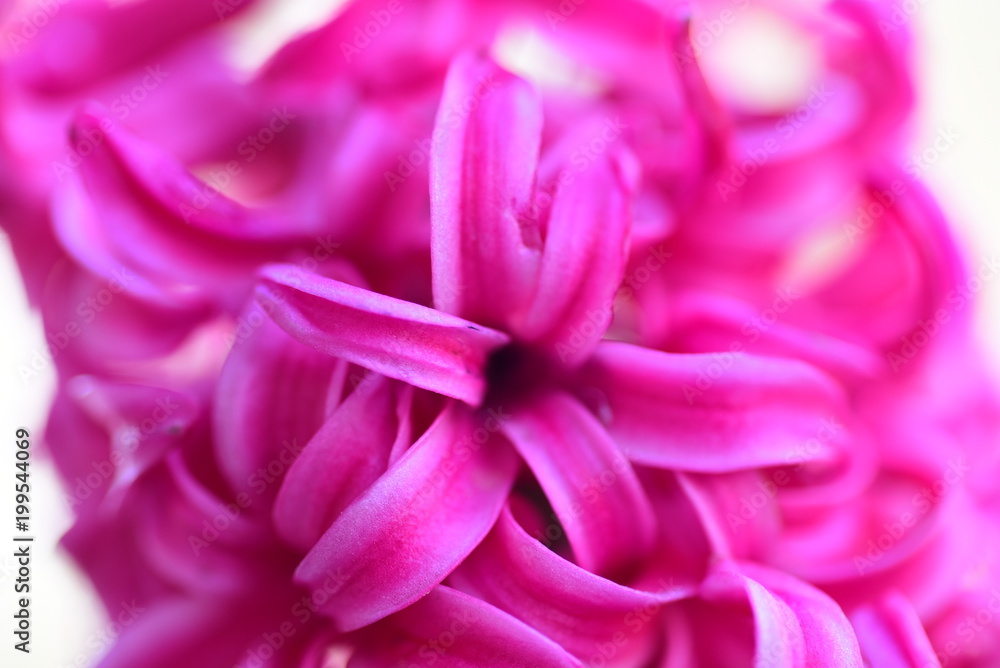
{"x": 272, "y": 396}
{"x": 455, "y": 630}
{"x": 81, "y": 42}
{"x": 892, "y": 636}
{"x": 131, "y": 205}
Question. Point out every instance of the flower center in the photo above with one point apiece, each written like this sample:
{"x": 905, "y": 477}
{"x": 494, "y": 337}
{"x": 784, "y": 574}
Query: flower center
{"x": 516, "y": 371}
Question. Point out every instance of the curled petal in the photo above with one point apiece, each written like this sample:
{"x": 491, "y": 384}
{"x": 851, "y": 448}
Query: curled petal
{"x": 705, "y": 323}
{"x": 132, "y": 206}
{"x": 272, "y": 397}
{"x": 483, "y": 636}
{"x": 417, "y": 522}
{"x": 589, "y": 482}
{"x": 349, "y": 452}
{"x": 197, "y": 632}
{"x": 483, "y": 165}
{"x": 574, "y": 607}
{"x": 83, "y": 42}
{"x": 713, "y": 413}
{"x": 796, "y": 625}
{"x": 891, "y": 634}
{"x": 586, "y": 246}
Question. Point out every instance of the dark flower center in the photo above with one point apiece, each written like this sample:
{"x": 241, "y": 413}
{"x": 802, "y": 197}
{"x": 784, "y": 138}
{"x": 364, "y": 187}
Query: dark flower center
{"x": 516, "y": 371}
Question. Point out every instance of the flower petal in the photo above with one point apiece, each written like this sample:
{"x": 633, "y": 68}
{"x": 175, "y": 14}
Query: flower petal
{"x": 406, "y": 341}
{"x": 704, "y": 323}
{"x": 131, "y": 205}
{"x": 574, "y": 607}
{"x": 483, "y": 165}
{"x": 713, "y": 413}
{"x": 892, "y": 636}
{"x": 414, "y": 524}
{"x": 586, "y": 247}
{"x": 483, "y": 636}
{"x": 796, "y": 624}
{"x": 85, "y": 42}
{"x": 349, "y": 452}
{"x": 271, "y": 399}
{"x": 595, "y": 493}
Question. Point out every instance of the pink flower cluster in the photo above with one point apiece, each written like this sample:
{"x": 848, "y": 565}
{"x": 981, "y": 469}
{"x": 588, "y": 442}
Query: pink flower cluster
{"x": 397, "y": 352}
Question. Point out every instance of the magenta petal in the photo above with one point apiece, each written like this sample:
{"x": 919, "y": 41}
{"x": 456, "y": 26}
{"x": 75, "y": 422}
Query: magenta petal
{"x": 175, "y": 520}
{"x": 271, "y": 399}
{"x": 346, "y": 455}
{"x": 399, "y": 339}
{"x": 483, "y": 165}
{"x": 704, "y": 323}
{"x": 574, "y": 607}
{"x": 476, "y": 634}
{"x": 892, "y": 636}
{"x": 606, "y": 515}
{"x": 796, "y": 624}
{"x": 83, "y": 42}
{"x": 714, "y": 413}
{"x": 414, "y": 524}
{"x": 132, "y": 206}
{"x": 586, "y": 245}
{"x": 183, "y": 631}
{"x": 101, "y": 431}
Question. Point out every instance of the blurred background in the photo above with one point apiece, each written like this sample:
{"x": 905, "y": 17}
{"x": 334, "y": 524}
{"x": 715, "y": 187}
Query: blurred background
{"x": 955, "y": 149}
